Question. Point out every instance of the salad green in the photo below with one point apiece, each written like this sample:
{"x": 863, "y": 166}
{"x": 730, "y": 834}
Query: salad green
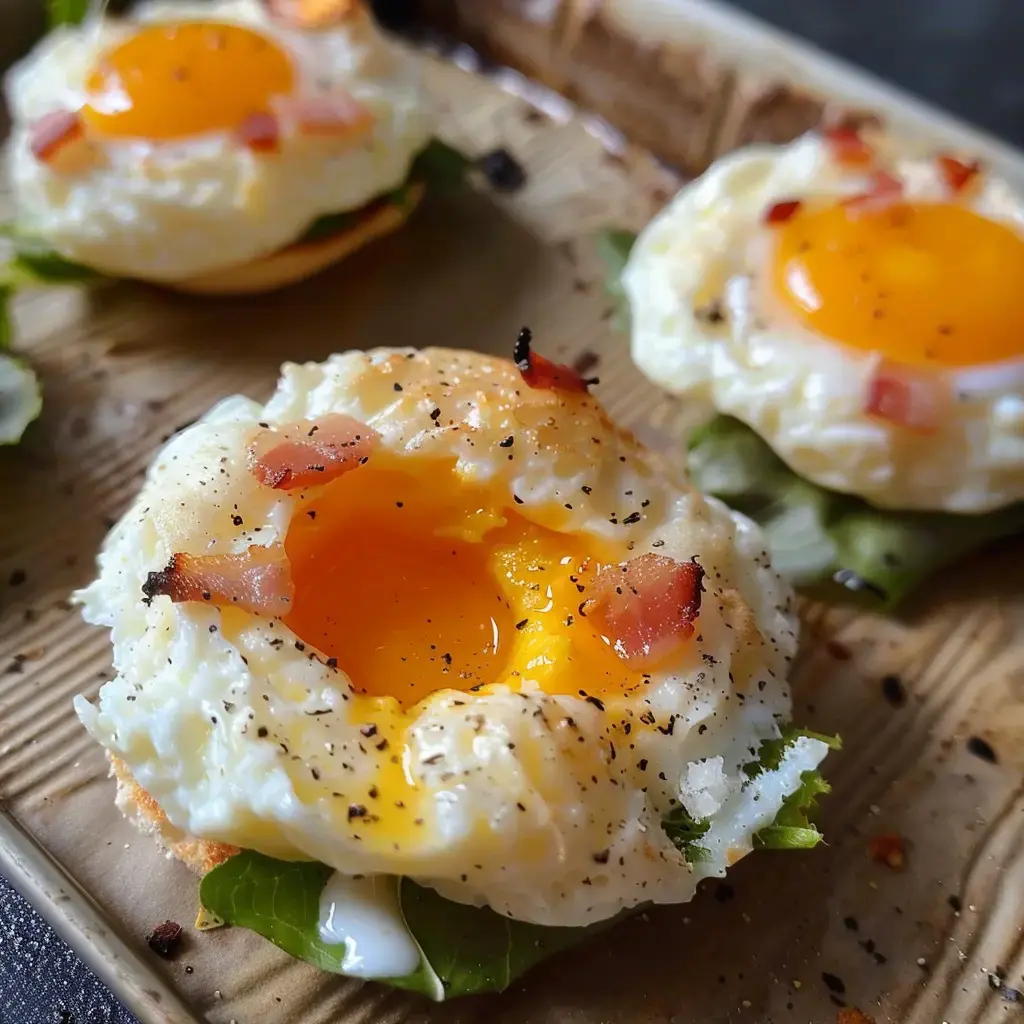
{"x": 66, "y": 12}
{"x": 464, "y": 950}
{"x": 20, "y": 398}
{"x": 819, "y": 537}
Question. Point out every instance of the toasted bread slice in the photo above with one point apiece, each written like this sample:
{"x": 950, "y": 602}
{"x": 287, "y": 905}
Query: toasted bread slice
{"x": 147, "y": 816}
{"x": 297, "y": 262}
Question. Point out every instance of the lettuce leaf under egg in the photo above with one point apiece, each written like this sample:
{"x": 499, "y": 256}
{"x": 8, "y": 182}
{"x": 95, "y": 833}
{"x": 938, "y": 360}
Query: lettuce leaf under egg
{"x": 820, "y": 538}
{"x": 793, "y": 828}
{"x": 464, "y": 950}
{"x": 438, "y": 166}
{"x": 66, "y": 12}
{"x": 30, "y": 262}
{"x": 20, "y": 398}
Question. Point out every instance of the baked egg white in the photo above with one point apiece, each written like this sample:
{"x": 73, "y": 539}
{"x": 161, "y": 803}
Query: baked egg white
{"x": 192, "y": 137}
{"x": 858, "y": 307}
{"x": 428, "y": 614}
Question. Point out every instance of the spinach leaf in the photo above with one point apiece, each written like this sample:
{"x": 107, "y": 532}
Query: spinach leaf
{"x": 20, "y": 398}
{"x": 793, "y": 828}
{"x": 464, "y": 949}
{"x": 33, "y": 262}
{"x": 614, "y": 247}
{"x": 473, "y": 949}
{"x": 440, "y": 166}
{"x": 819, "y": 538}
{"x": 326, "y": 226}
{"x": 685, "y": 832}
{"x": 66, "y": 12}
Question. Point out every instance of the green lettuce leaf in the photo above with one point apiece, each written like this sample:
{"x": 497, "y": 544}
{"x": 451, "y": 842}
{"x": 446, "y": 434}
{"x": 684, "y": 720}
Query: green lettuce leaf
{"x": 614, "y": 247}
{"x": 20, "y": 398}
{"x": 686, "y": 832}
{"x": 465, "y": 950}
{"x": 793, "y": 828}
{"x": 33, "y": 262}
{"x": 66, "y": 12}
{"x": 771, "y": 752}
{"x": 438, "y": 166}
{"x": 821, "y": 539}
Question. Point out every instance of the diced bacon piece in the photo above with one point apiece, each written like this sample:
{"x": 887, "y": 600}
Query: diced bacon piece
{"x": 543, "y": 374}
{"x": 647, "y": 607}
{"x": 314, "y": 14}
{"x": 260, "y": 132}
{"x": 55, "y": 132}
{"x": 257, "y": 580}
{"x": 779, "y": 213}
{"x": 847, "y": 146}
{"x": 956, "y": 174}
{"x": 908, "y": 398}
{"x": 311, "y": 453}
{"x": 884, "y": 191}
{"x": 330, "y": 115}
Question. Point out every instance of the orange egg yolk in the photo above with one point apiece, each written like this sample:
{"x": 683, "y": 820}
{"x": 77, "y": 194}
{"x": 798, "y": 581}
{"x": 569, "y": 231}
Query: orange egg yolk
{"x": 923, "y": 283}
{"x": 174, "y": 80}
{"x": 418, "y": 582}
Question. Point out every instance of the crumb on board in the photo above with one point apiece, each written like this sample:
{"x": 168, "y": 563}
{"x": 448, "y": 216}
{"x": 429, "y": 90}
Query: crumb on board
{"x": 165, "y": 939}
{"x": 851, "y": 1015}
{"x": 888, "y": 848}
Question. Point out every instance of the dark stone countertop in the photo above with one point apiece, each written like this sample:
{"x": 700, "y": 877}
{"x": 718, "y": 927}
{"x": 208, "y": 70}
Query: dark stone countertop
{"x": 963, "y": 55}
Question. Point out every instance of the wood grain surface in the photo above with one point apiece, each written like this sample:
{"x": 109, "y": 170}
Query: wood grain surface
{"x": 791, "y": 937}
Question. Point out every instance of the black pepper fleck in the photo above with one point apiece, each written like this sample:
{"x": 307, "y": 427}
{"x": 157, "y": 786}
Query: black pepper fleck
{"x": 504, "y": 172}
{"x": 893, "y": 691}
{"x": 983, "y": 749}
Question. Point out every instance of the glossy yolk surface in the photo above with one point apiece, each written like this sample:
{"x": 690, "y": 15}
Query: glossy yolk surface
{"x": 175, "y": 80}
{"x": 419, "y": 583}
{"x": 922, "y": 283}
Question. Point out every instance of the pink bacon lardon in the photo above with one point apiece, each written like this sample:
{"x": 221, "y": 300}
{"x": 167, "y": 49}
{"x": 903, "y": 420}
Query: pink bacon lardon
{"x": 912, "y": 399}
{"x": 257, "y": 580}
{"x": 647, "y": 607}
{"x": 311, "y": 453}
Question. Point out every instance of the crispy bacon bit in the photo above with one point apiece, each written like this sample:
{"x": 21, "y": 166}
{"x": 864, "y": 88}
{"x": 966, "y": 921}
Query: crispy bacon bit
{"x": 260, "y": 132}
{"x": 314, "y": 14}
{"x": 905, "y": 397}
{"x": 888, "y": 848}
{"x": 884, "y": 191}
{"x": 957, "y": 175}
{"x": 647, "y": 607}
{"x": 847, "y": 146}
{"x": 311, "y": 453}
{"x": 779, "y": 213}
{"x": 541, "y": 373}
{"x": 258, "y": 580}
{"x": 331, "y": 115}
{"x": 851, "y": 1015}
{"x": 54, "y": 132}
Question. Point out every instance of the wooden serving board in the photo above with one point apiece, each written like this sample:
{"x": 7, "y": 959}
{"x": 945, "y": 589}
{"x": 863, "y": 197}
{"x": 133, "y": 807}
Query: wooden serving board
{"x": 790, "y": 937}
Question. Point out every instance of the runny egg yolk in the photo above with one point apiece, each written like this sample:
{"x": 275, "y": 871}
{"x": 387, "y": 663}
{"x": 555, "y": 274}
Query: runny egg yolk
{"x": 923, "y": 283}
{"x": 175, "y": 80}
{"x": 418, "y": 582}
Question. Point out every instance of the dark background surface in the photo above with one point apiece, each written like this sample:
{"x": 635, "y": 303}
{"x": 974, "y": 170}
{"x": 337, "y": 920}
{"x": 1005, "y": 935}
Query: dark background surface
{"x": 963, "y": 55}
